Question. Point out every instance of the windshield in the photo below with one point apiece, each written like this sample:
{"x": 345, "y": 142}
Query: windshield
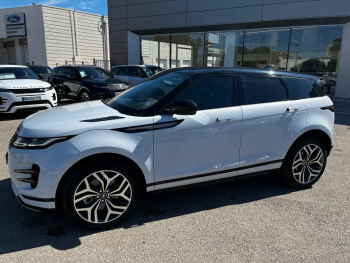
{"x": 152, "y": 70}
{"x": 143, "y": 96}
{"x": 42, "y": 70}
{"x": 93, "y": 73}
{"x": 17, "y": 73}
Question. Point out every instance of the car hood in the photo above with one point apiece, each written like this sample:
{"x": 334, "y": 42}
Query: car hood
{"x": 75, "y": 119}
{"x": 103, "y": 81}
{"x": 23, "y": 84}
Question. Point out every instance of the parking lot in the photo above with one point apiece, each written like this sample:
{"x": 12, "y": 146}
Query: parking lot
{"x": 257, "y": 219}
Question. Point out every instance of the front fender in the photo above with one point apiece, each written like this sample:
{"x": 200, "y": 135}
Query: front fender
{"x": 136, "y": 146}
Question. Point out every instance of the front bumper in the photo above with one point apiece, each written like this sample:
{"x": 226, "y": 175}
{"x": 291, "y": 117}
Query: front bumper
{"x": 13, "y": 102}
{"x": 52, "y": 168}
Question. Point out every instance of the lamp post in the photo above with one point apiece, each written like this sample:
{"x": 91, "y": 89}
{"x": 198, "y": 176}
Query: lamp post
{"x": 296, "y": 56}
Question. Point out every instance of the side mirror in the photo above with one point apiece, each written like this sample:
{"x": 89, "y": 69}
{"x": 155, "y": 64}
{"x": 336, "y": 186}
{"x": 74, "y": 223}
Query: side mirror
{"x": 141, "y": 76}
{"x": 40, "y": 76}
{"x": 183, "y": 107}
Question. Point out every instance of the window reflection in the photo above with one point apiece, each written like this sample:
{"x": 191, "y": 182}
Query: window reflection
{"x": 224, "y": 49}
{"x": 266, "y": 49}
{"x": 315, "y": 50}
{"x": 187, "y": 50}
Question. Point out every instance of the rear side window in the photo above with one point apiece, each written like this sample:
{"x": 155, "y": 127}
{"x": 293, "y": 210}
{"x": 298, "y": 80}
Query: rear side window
{"x": 263, "y": 90}
{"x": 304, "y": 88}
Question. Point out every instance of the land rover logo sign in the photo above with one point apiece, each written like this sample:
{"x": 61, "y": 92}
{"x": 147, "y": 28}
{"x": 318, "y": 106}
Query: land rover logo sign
{"x": 14, "y": 19}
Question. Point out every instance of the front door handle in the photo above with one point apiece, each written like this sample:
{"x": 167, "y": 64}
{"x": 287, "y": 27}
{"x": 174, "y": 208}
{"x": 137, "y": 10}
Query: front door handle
{"x": 293, "y": 108}
{"x": 223, "y": 119}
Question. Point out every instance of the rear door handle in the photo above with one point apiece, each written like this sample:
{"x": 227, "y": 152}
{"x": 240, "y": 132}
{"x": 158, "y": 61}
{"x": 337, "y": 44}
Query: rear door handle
{"x": 293, "y": 108}
{"x": 223, "y": 119}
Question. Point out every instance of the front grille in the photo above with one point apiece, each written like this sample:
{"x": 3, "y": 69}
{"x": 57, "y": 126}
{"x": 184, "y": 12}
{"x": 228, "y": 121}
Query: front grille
{"x": 24, "y": 91}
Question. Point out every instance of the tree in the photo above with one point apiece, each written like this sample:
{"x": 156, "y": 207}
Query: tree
{"x": 313, "y": 65}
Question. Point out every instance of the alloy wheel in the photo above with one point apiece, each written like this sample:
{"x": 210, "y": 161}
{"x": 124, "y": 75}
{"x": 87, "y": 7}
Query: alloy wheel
{"x": 102, "y": 196}
{"x": 308, "y": 164}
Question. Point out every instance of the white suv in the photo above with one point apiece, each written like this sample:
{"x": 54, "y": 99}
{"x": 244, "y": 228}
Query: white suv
{"x": 22, "y": 90}
{"x": 180, "y": 127}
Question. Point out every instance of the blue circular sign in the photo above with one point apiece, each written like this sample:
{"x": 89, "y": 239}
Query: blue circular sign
{"x": 14, "y": 19}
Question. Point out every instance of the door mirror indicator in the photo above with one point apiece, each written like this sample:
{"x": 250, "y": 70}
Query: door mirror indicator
{"x": 183, "y": 107}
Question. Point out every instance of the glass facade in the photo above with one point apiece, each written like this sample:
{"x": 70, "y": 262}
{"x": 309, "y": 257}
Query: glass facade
{"x": 313, "y": 50}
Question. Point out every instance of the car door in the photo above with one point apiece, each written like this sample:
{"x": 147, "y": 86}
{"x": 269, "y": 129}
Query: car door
{"x": 204, "y": 146}
{"x": 272, "y": 115}
{"x": 72, "y": 82}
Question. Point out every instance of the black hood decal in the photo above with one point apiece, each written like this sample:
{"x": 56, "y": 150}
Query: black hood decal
{"x": 109, "y": 118}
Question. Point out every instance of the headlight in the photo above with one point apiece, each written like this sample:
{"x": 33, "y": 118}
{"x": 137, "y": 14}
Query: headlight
{"x": 6, "y": 90}
{"x": 49, "y": 88}
{"x": 39, "y": 143}
{"x": 118, "y": 86}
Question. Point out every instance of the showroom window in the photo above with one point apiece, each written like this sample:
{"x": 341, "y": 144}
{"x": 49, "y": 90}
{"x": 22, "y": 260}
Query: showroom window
{"x": 314, "y": 50}
{"x": 224, "y": 49}
{"x": 266, "y": 49}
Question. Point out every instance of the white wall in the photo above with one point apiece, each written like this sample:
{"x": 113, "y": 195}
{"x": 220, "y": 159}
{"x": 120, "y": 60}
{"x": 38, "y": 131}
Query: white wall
{"x": 66, "y": 40}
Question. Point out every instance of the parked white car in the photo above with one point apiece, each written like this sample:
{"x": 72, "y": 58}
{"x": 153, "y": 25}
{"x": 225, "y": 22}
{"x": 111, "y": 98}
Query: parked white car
{"x": 180, "y": 127}
{"x": 134, "y": 74}
{"x": 21, "y": 89}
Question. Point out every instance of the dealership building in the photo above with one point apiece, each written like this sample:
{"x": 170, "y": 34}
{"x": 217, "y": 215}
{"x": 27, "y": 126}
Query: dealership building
{"x": 295, "y": 35}
{"x": 47, "y": 35}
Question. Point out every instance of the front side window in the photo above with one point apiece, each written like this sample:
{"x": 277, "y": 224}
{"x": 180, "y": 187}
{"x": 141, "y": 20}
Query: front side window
{"x": 146, "y": 94}
{"x": 114, "y": 71}
{"x": 304, "y": 89}
{"x": 17, "y": 73}
{"x": 71, "y": 73}
{"x": 263, "y": 90}
{"x": 152, "y": 70}
{"x": 124, "y": 71}
{"x": 62, "y": 71}
{"x": 212, "y": 92}
{"x": 137, "y": 72}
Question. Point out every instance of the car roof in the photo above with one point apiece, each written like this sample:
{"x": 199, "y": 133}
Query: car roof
{"x": 80, "y": 66}
{"x": 129, "y": 66}
{"x": 251, "y": 71}
{"x": 36, "y": 66}
{"x": 12, "y": 66}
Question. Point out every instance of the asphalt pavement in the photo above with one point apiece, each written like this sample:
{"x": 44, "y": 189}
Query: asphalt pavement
{"x": 257, "y": 219}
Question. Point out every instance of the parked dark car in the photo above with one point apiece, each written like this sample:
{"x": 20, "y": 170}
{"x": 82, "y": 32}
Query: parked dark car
{"x": 43, "y": 72}
{"x": 85, "y": 83}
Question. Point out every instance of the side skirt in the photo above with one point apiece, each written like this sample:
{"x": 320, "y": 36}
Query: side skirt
{"x": 217, "y": 181}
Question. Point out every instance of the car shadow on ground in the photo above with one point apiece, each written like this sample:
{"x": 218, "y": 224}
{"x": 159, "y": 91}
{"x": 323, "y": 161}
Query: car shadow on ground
{"x": 24, "y": 229}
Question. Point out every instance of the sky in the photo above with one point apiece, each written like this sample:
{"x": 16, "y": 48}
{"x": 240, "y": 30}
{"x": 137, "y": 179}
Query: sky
{"x": 90, "y": 6}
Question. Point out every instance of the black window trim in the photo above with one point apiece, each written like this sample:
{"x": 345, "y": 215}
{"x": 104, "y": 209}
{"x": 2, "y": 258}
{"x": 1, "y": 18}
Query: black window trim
{"x": 242, "y": 94}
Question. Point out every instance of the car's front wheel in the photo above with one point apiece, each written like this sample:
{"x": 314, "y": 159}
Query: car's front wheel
{"x": 101, "y": 194}
{"x": 305, "y": 163}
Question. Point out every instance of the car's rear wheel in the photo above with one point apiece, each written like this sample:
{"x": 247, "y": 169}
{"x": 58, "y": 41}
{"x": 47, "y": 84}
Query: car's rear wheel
{"x": 101, "y": 194}
{"x": 84, "y": 96}
{"x": 305, "y": 163}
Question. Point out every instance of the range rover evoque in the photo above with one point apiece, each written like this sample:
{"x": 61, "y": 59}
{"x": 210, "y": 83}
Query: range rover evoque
{"x": 179, "y": 127}
{"x": 22, "y": 90}
{"x": 84, "y": 83}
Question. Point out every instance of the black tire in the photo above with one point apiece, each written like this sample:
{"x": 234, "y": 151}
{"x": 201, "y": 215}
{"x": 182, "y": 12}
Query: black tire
{"x": 85, "y": 171}
{"x": 84, "y": 96}
{"x": 287, "y": 167}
